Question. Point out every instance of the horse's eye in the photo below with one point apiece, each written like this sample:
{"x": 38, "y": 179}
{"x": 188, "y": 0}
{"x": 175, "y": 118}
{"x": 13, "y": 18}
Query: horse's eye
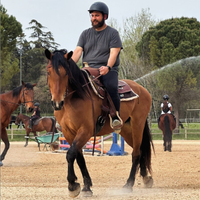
{"x": 48, "y": 73}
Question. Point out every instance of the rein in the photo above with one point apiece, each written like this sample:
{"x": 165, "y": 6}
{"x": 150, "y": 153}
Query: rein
{"x": 86, "y": 84}
{"x": 92, "y": 114}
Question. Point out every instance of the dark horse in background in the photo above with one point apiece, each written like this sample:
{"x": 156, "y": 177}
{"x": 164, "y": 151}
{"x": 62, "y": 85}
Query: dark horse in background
{"x": 9, "y": 102}
{"x": 12, "y": 121}
{"x": 167, "y": 124}
{"x": 77, "y": 109}
{"x": 42, "y": 124}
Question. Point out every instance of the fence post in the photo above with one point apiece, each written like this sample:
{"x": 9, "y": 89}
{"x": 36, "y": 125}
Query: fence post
{"x": 185, "y": 132}
{"x": 11, "y": 133}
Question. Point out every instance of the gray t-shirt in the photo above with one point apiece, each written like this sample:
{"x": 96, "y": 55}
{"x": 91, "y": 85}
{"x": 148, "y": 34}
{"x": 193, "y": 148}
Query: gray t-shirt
{"x": 96, "y": 46}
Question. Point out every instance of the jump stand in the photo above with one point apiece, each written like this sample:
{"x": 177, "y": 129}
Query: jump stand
{"x": 115, "y": 149}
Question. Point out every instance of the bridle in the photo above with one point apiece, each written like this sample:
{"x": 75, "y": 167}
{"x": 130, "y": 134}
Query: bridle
{"x": 23, "y": 103}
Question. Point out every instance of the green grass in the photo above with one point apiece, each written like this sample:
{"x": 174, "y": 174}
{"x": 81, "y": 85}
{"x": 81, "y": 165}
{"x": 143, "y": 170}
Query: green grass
{"x": 19, "y": 135}
{"x": 193, "y": 132}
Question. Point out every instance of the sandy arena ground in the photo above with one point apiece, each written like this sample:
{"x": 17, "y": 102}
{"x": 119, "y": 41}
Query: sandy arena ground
{"x": 28, "y": 174}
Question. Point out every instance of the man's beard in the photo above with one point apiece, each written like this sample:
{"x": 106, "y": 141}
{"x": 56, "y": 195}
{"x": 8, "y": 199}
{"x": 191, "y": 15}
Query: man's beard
{"x": 100, "y": 24}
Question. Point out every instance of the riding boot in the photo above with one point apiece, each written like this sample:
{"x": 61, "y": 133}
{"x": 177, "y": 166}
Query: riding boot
{"x": 158, "y": 121}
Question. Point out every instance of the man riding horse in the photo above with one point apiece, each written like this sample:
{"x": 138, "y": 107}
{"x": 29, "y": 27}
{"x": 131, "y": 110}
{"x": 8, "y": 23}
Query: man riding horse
{"x": 100, "y": 47}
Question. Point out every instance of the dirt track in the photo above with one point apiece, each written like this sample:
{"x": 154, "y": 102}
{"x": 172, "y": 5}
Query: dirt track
{"x": 30, "y": 174}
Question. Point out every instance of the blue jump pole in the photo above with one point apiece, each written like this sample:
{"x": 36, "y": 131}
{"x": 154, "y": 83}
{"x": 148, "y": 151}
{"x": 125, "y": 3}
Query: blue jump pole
{"x": 115, "y": 149}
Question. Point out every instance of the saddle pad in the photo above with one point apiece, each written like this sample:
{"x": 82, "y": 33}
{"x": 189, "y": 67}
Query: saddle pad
{"x": 124, "y": 90}
{"x": 36, "y": 122}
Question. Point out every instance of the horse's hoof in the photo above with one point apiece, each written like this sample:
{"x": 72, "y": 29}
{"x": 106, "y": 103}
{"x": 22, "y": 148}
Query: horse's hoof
{"x": 1, "y": 164}
{"x": 88, "y": 193}
{"x": 127, "y": 188}
{"x": 76, "y": 190}
{"x": 148, "y": 181}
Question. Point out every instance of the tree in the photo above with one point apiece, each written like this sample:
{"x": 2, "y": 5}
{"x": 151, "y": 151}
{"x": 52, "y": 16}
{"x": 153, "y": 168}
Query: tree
{"x": 10, "y": 30}
{"x": 169, "y": 41}
{"x": 40, "y": 38}
{"x": 179, "y": 81}
{"x": 132, "y": 66}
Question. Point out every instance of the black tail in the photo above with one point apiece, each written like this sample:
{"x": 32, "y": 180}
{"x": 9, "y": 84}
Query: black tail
{"x": 146, "y": 147}
{"x": 168, "y": 133}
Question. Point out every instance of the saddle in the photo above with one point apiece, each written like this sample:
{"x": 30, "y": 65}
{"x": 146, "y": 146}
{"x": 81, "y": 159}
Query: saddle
{"x": 124, "y": 90}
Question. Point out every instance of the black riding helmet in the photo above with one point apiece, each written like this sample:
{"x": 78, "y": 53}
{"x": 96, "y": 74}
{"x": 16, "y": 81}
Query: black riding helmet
{"x": 100, "y": 7}
{"x": 166, "y": 97}
{"x": 36, "y": 104}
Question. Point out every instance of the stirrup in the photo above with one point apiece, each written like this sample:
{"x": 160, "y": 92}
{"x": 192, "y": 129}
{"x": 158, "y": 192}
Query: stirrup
{"x": 116, "y": 124}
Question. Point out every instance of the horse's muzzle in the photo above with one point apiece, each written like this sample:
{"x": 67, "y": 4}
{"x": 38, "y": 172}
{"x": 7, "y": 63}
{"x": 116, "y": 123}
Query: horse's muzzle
{"x": 56, "y": 105}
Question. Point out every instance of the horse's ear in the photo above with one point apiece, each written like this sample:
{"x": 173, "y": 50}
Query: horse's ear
{"x": 23, "y": 83}
{"x": 68, "y": 55}
{"x": 34, "y": 84}
{"x": 48, "y": 54}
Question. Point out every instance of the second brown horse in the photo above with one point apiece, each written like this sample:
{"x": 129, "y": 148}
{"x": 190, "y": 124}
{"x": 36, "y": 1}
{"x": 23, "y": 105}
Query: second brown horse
{"x": 10, "y": 101}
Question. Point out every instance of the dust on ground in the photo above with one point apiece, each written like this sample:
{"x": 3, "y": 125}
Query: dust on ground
{"x": 32, "y": 174}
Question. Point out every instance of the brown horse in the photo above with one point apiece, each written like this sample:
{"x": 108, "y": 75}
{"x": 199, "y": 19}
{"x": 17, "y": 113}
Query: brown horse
{"x": 77, "y": 109}
{"x": 9, "y": 102}
{"x": 42, "y": 124}
{"x": 167, "y": 124}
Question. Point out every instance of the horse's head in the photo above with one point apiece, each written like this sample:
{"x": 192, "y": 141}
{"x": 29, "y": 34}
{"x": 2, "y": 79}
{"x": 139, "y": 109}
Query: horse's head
{"x": 27, "y": 95}
{"x": 57, "y": 76}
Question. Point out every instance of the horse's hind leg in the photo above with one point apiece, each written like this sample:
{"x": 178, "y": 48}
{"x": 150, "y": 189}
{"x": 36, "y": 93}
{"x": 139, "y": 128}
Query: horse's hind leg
{"x": 86, "y": 191}
{"x": 4, "y": 137}
{"x": 131, "y": 180}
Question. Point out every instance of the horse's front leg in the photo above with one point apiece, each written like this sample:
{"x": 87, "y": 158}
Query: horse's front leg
{"x": 27, "y": 137}
{"x": 74, "y": 187}
{"x": 4, "y": 138}
{"x": 86, "y": 191}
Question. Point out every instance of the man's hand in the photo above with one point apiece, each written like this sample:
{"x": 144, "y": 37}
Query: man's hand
{"x": 103, "y": 70}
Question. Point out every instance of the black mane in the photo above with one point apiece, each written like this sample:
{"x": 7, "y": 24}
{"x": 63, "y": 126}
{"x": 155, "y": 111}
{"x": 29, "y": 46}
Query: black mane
{"x": 75, "y": 75}
{"x": 16, "y": 91}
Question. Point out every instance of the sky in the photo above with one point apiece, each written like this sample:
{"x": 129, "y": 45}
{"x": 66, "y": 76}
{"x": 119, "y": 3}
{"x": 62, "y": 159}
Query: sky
{"x": 67, "y": 19}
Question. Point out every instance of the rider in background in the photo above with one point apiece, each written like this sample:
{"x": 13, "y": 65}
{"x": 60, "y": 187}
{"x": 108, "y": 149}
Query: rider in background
{"x": 169, "y": 110}
{"x": 35, "y": 115}
{"x": 100, "y": 47}
{"x": 166, "y": 110}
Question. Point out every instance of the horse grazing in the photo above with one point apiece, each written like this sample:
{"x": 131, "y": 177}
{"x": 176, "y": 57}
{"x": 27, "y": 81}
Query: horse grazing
{"x": 42, "y": 124}
{"x": 77, "y": 108}
{"x": 167, "y": 124}
{"x": 9, "y": 102}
